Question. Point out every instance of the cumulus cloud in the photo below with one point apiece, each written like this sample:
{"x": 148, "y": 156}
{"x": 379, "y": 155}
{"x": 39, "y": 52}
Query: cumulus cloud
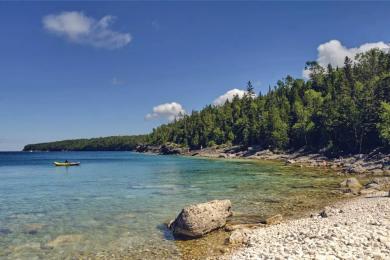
{"x": 229, "y": 95}
{"x": 168, "y": 111}
{"x": 79, "y": 28}
{"x": 334, "y": 53}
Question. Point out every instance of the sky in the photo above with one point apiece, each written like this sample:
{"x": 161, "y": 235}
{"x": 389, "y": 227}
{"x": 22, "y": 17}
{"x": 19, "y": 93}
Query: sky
{"x": 89, "y": 69}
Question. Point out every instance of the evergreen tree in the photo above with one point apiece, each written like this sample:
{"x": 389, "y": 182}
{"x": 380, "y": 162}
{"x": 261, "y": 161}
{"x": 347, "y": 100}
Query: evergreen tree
{"x": 250, "y": 89}
{"x": 341, "y": 110}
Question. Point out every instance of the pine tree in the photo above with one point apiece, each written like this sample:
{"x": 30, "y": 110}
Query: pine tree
{"x": 250, "y": 89}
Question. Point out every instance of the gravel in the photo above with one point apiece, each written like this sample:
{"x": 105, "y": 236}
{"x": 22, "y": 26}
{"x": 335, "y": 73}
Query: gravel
{"x": 356, "y": 229}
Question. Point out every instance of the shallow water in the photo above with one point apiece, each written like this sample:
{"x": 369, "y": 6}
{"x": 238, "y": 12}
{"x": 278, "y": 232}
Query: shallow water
{"x": 116, "y": 202}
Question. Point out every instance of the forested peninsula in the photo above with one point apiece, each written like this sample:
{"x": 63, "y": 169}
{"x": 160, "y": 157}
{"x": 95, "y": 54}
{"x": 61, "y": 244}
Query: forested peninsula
{"x": 110, "y": 143}
{"x": 336, "y": 111}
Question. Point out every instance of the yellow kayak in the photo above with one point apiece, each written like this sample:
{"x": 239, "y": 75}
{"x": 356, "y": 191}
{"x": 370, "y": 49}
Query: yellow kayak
{"x": 66, "y": 163}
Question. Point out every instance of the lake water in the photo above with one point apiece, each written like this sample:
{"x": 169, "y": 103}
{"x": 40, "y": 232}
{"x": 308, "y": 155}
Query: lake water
{"x": 116, "y": 203}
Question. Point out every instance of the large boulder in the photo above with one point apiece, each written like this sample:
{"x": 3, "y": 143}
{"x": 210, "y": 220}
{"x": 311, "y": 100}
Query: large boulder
{"x": 197, "y": 220}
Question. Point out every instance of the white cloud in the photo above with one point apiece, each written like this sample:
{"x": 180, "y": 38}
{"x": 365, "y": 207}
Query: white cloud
{"x": 168, "y": 111}
{"x": 306, "y": 74}
{"x": 334, "y": 53}
{"x": 229, "y": 95}
{"x": 79, "y": 28}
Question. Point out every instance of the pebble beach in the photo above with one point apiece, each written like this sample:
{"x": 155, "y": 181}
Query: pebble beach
{"x": 358, "y": 228}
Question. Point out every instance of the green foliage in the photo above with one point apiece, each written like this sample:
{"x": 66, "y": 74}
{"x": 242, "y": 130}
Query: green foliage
{"x": 341, "y": 110}
{"x": 111, "y": 143}
{"x": 336, "y": 109}
{"x": 384, "y": 123}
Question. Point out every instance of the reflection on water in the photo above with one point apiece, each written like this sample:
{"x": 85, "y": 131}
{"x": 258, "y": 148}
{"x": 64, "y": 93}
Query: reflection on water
{"x": 116, "y": 203}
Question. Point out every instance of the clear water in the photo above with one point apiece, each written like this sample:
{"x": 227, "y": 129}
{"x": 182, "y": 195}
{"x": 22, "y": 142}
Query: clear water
{"x": 116, "y": 203}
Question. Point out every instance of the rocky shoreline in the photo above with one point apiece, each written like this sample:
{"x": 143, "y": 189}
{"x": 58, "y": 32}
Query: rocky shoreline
{"x": 355, "y": 229}
{"x": 375, "y": 163}
{"x": 344, "y": 230}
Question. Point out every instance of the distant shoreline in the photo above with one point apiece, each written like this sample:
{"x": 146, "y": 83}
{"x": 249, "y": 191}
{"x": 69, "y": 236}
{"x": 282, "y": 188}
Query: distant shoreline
{"x": 374, "y": 163}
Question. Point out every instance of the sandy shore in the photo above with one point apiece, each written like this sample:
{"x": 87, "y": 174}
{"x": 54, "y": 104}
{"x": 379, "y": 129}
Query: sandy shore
{"x": 355, "y": 229}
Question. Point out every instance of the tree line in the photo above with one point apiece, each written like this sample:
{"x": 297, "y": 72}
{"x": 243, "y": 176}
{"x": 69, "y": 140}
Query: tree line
{"x": 337, "y": 110}
{"x": 110, "y": 143}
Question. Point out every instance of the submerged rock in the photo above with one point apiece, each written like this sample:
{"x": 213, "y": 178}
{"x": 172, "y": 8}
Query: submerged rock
{"x": 26, "y": 247}
{"x": 351, "y": 185}
{"x": 33, "y": 228}
{"x": 5, "y": 231}
{"x": 197, "y": 220}
{"x": 64, "y": 239}
{"x": 274, "y": 220}
{"x": 240, "y": 226}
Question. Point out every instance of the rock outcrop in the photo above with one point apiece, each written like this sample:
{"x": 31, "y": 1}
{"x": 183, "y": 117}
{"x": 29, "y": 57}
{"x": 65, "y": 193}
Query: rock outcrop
{"x": 166, "y": 149}
{"x": 197, "y": 220}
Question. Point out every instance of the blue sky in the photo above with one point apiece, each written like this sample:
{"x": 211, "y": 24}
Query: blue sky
{"x": 87, "y": 69}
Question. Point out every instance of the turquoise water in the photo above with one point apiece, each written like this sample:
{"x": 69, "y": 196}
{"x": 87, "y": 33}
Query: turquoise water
{"x": 117, "y": 202}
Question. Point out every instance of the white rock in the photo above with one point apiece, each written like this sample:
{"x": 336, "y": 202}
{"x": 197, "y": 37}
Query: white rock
{"x": 362, "y": 231}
